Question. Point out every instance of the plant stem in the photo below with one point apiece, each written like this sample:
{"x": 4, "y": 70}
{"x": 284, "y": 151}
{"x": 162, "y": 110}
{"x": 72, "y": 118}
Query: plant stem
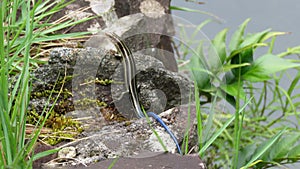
{"x": 237, "y": 122}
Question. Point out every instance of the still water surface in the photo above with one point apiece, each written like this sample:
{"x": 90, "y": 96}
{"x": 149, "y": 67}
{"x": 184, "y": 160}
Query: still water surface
{"x": 276, "y": 14}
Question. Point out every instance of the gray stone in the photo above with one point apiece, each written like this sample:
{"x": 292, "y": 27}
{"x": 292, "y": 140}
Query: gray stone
{"x": 101, "y": 139}
{"x": 150, "y": 161}
{"x": 146, "y": 27}
{"x": 121, "y": 16}
{"x": 131, "y": 139}
{"x": 159, "y": 89}
{"x": 67, "y": 152}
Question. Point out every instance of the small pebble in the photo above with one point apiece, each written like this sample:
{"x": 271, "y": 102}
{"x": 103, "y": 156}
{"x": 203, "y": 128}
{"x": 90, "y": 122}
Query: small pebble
{"x": 67, "y": 152}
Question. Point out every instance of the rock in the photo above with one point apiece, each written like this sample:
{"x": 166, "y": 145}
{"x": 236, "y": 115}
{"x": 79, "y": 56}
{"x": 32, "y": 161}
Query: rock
{"x": 145, "y": 25}
{"x": 151, "y": 34}
{"x": 84, "y": 68}
{"x": 133, "y": 139}
{"x": 67, "y": 152}
{"x": 91, "y": 84}
{"x": 157, "y": 161}
{"x": 79, "y": 69}
{"x": 120, "y": 16}
{"x": 74, "y": 11}
{"x": 40, "y": 147}
{"x": 156, "y": 19}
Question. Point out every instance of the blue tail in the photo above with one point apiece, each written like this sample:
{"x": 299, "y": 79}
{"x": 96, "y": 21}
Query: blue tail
{"x": 159, "y": 120}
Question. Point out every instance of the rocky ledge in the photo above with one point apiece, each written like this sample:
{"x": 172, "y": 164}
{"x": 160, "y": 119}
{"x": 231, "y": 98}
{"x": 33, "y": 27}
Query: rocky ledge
{"x": 93, "y": 92}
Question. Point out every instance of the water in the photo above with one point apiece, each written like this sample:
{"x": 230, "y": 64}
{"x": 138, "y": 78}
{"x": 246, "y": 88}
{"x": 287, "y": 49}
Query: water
{"x": 276, "y": 14}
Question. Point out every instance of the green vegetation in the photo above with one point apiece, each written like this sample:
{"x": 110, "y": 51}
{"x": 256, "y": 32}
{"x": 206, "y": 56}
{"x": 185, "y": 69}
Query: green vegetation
{"x": 249, "y": 136}
{"x": 243, "y": 138}
{"x": 24, "y": 28}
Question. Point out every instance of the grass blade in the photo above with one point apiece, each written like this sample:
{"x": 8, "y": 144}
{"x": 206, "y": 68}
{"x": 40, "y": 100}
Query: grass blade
{"x": 196, "y": 11}
{"x": 198, "y": 115}
{"x": 263, "y": 148}
{"x": 219, "y": 132}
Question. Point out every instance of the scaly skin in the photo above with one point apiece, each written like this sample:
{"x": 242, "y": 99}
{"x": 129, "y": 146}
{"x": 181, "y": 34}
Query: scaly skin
{"x": 130, "y": 82}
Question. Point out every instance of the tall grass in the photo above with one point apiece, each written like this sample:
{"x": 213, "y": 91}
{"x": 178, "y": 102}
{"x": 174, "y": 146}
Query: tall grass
{"x": 20, "y": 28}
{"x": 14, "y": 103}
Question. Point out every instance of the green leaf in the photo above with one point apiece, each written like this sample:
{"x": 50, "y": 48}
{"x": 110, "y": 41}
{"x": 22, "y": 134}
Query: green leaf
{"x": 272, "y": 34}
{"x": 283, "y": 146}
{"x": 199, "y": 69}
{"x": 240, "y": 50}
{"x": 293, "y": 50}
{"x": 221, "y": 130}
{"x": 241, "y": 58}
{"x": 256, "y": 75}
{"x": 200, "y": 26}
{"x": 227, "y": 68}
{"x": 266, "y": 65}
{"x": 179, "y": 8}
{"x": 233, "y": 90}
{"x": 60, "y": 36}
{"x": 44, "y": 153}
{"x": 245, "y": 154}
{"x": 220, "y": 47}
{"x": 294, "y": 152}
{"x": 262, "y": 148}
{"x": 229, "y": 98}
{"x": 237, "y": 37}
{"x": 254, "y": 38}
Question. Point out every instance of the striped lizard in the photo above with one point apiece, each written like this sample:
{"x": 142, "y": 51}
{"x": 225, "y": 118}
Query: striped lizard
{"x": 130, "y": 83}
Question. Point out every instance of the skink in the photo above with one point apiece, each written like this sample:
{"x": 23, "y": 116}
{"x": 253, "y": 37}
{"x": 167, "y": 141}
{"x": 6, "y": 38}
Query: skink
{"x": 130, "y": 83}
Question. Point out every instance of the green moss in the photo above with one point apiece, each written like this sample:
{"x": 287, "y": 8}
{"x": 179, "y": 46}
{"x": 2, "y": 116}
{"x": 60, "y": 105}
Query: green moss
{"x": 32, "y": 117}
{"x": 86, "y": 103}
{"x": 103, "y": 82}
{"x": 63, "y": 128}
{"x": 46, "y": 93}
